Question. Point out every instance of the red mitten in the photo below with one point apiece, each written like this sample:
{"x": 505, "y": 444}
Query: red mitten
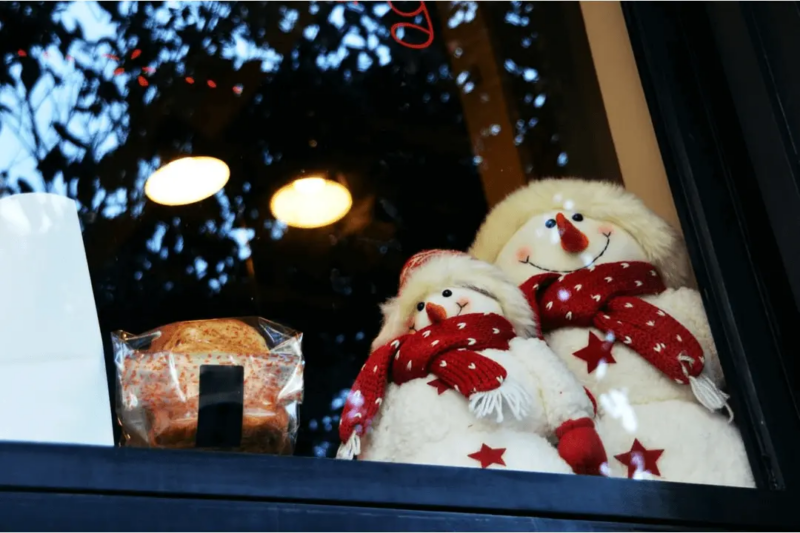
{"x": 580, "y": 446}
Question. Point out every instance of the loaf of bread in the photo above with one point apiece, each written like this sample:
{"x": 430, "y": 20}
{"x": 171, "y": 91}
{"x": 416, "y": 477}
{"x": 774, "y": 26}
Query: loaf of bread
{"x": 220, "y": 335}
{"x": 160, "y": 385}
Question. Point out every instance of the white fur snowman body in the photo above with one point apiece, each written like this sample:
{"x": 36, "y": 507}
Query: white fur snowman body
{"x": 638, "y": 402}
{"x": 420, "y": 426}
{"x": 651, "y": 426}
{"x": 423, "y": 421}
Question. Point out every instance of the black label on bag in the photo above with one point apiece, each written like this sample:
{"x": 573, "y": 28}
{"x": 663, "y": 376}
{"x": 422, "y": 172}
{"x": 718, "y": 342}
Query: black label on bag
{"x": 219, "y": 420}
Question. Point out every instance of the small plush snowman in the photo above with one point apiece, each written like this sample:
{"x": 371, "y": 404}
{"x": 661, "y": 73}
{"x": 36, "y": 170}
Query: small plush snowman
{"x": 454, "y": 379}
{"x": 608, "y": 278}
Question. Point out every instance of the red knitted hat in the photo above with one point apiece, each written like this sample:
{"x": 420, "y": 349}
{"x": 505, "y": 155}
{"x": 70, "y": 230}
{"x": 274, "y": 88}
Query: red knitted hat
{"x": 417, "y": 260}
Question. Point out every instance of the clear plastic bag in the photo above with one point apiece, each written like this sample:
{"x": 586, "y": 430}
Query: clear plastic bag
{"x": 222, "y": 384}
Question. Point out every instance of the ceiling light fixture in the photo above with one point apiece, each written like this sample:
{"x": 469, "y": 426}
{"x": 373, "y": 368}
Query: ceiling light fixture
{"x": 311, "y": 203}
{"x": 187, "y": 180}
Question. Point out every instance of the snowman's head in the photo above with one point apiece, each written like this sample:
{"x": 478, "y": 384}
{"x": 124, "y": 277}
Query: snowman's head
{"x": 563, "y": 241}
{"x": 450, "y": 302}
{"x": 439, "y": 284}
{"x": 563, "y": 225}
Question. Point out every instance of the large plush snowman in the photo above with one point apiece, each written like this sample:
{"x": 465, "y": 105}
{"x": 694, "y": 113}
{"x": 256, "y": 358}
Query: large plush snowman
{"x": 453, "y": 380}
{"x": 608, "y": 278}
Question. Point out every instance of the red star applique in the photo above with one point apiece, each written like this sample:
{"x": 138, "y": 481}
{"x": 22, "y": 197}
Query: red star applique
{"x": 441, "y": 386}
{"x": 596, "y": 351}
{"x": 489, "y": 456}
{"x": 640, "y": 459}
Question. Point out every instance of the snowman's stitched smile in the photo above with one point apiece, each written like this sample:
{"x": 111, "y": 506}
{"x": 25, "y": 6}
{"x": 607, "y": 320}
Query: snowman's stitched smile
{"x": 608, "y": 241}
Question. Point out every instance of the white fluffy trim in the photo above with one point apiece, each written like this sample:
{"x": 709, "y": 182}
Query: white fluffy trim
{"x": 349, "y": 449}
{"x": 483, "y": 404}
{"x": 595, "y": 199}
{"x": 459, "y": 271}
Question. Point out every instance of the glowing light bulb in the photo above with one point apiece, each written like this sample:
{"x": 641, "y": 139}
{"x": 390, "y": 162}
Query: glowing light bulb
{"x": 311, "y": 203}
{"x": 187, "y": 180}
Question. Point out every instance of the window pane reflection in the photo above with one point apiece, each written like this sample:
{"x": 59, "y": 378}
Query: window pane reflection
{"x": 425, "y": 114}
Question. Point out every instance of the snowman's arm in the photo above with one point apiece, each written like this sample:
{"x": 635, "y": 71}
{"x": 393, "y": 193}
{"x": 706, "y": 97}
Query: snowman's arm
{"x": 563, "y": 396}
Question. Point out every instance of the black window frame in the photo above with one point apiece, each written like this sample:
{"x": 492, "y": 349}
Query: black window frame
{"x": 716, "y": 167}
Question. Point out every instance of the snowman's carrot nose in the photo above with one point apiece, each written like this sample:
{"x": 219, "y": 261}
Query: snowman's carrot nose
{"x": 572, "y": 239}
{"x": 436, "y": 313}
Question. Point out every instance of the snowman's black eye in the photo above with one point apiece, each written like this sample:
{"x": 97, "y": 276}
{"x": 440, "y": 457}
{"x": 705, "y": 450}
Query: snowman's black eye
{"x": 550, "y": 223}
{"x": 420, "y": 306}
{"x": 577, "y": 217}
{"x": 447, "y": 293}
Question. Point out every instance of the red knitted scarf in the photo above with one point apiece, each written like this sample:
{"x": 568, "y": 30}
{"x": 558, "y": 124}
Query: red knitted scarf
{"x": 444, "y": 349}
{"x": 605, "y": 296}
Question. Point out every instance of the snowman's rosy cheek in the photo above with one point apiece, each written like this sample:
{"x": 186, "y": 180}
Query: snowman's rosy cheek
{"x": 523, "y": 253}
{"x": 605, "y": 229}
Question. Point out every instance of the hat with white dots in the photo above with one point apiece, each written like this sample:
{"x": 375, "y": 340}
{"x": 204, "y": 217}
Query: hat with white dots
{"x": 419, "y": 259}
{"x": 429, "y": 271}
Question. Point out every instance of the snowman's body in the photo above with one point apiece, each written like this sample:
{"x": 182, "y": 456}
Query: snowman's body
{"x": 638, "y": 402}
{"x": 562, "y": 226}
{"x": 422, "y": 423}
{"x": 420, "y": 426}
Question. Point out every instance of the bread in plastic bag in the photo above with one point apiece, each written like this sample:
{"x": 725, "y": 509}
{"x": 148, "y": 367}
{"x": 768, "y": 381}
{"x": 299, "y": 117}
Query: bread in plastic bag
{"x": 252, "y": 371}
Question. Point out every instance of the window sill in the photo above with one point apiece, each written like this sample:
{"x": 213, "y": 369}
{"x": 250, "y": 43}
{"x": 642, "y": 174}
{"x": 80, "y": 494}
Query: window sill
{"x": 189, "y": 475}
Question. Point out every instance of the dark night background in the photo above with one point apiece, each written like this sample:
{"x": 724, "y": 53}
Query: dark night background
{"x": 300, "y": 88}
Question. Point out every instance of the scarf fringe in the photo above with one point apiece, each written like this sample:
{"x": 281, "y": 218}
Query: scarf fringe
{"x": 705, "y": 391}
{"x": 710, "y": 396}
{"x": 350, "y": 449}
{"x": 483, "y": 404}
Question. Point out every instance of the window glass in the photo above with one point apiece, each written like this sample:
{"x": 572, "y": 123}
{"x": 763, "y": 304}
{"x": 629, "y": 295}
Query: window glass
{"x": 305, "y": 152}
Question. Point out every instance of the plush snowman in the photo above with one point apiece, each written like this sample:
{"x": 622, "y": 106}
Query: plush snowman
{"x": 456, "y": 379}
{"x": 608, "y": 278}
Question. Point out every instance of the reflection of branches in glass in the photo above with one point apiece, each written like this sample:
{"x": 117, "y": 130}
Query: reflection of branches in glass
{"x": 81, "y": 107}
{"x": 273, "y": 89}
{"x": 535, "y": 120}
